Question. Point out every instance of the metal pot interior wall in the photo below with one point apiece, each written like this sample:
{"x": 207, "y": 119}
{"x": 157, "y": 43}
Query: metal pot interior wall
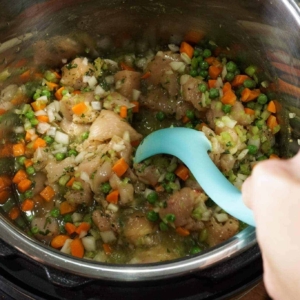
{"x": 250, "y": 30}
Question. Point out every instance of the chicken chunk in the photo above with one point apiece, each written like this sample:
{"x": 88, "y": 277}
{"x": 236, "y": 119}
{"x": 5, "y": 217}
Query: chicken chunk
{"x": 101, "y": 221}
{"x": 238, "y": 113}
{"x": 82, "y": 196}
{"x": 109, "y": 124}
{"x": 72, "y": 73}
{"x": 47, "y": 227}
{"x": 126, "y": 82}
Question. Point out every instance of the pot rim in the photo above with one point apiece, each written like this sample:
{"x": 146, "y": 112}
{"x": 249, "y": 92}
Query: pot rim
{"x": 142, "y": 272}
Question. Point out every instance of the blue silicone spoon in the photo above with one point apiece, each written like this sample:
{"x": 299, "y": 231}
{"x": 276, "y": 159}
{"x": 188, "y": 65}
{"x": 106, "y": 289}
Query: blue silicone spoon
{"x": 191, "y": 147}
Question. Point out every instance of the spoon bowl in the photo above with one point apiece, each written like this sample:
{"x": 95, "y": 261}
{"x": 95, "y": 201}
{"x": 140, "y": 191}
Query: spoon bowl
{"x": 191, "y": 147}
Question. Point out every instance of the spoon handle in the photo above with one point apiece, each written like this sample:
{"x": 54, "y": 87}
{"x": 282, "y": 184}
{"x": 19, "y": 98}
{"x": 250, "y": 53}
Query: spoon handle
{"x": 191, "y": 147}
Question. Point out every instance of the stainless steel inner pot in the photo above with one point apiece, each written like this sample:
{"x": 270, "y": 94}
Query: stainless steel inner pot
{"x": 251, "y": 28}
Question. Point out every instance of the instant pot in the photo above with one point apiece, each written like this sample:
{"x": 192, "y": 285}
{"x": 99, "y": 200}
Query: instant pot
{"x": 255, "y": 31}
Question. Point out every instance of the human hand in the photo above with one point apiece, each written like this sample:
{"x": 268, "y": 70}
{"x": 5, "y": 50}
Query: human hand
{"x": 273, "y": 193}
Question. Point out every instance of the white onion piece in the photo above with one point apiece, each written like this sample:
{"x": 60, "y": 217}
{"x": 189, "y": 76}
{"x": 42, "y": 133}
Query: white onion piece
{"x": 99, "y": 90}
{"x": 33, "y": 137}
{"x": 228, "y": 121}
{"x": 222, "y": 217}
{"x": 96, "y": 105}
{"x": 126, "y": 136}
{"x": 147, "y": 192}
{"x": 219, "y": 83}
{"x": 79, "y": 158}
{"x": 43, "y": 98}
{"x": 224, "y": 72}
{"x": 31, "y": 131}
{"x": 184, "y": 78}
{"x": 40, "y": 113}
{"x": 92, "y": 82}
{"x": 60, "y": 150}
{"x": 136, "y": 94}
{"x": 51, "y": 116}
{"x": 254, "y": 142}
{"x": 185, "y": 58}
{"x": 61, "y": 138}
{"x": 242, "y": 176}
{"x": 51, "y": 131}
{"x": 66, "y": 248}
{"x": 76, "y": 217}
{"x": 110, "y": 79}
{"x": 39, "y": 153}
{"x": 112, "y": 207}
{"x": 19, "y": 129}
{"x": 111, "y": 62}
{"x": 177, "y": 66}
{"x": 118, "y": 84}
{"x": 242, "y": 154}
{"x": 173, "y": 48}
{"x": 42, "y": 127}
{"x": 86, "y": 78}
{"x": 89, "y": 243}
{"x": 108, "y": 236}
{"x": 85, "y": 61}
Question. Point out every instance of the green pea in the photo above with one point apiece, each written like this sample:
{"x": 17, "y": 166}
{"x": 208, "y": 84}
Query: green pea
{"x": 194, "y": 63}
{"x": 34, "y": 230}
{"x": 64, "y": 92}
{"x": 260, "y": 123}
{"x": 72, "y": 152}
{"x": 60, "y": 156}
{"x": 170, "y": 176}
{"x": 262, "y": 99}
{"x": 21, "y": 160}
{"x": 196, "y": 52}
{"x": 163, "y": 226}
{"x": 251, "y": 70}
{"x": 160, "y": 116}
{"x": 55, "y": 212}
{"x": 85, "y": 135}
{"x": 48, "y": 139}
{"x": 29, "y": 115}
{"x": 195, "y": 250}
{"x": 152, "y": 197}
{"x": 36, "y": 96}
{"x": 68, "y": 218}
{"x": 105, "y": 188}
{"x": 231, "y": 66}
{"x": 226, "y": 108}
{"x": 46, "y": 93}
{"x": 252, "y": 149}
{"x": 229, "y": 76}
{"x": 203, "y": 73}
{"x": 152, "y": 216}
{"x": 213, "y": 93}
{"x": 202, "y": 87}
{"x": 30, "y": 170}
{"x": 34, "y": 121}
{"x": 200, "y": 59}
{"x": 206, "y": 53}
{"x": 193, "y": 73}
{"x": 28, "y": 194}
{"x": 249, "y": 83}
{"x": 190, "y": 114}
{"x": 170, "y": 218}
{"x": 251, "y": 105}
{"x": 204, "y": 65}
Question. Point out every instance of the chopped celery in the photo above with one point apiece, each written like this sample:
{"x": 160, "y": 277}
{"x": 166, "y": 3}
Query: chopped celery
{"x": 245, "y": 169}
{"x": 203, "y": 235}
{"x": 265, "y": 115}
{"x": 64, "y": 179}
{"x": 197, "y": 213}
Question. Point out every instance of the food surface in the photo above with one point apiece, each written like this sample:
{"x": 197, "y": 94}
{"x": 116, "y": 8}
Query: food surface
{"x": 75, "y": 131}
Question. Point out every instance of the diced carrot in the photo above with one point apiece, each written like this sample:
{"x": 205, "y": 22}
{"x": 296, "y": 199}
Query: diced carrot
{"x": 2, "y": 111}
{"x": 214, "y": 72}
{"x": 239, "y": 80}
{"x": 14, "y": 213}
{"x": 19, "y": 176}
{"x": 126, "y": 67}
{"x": 226, "y": 87}
{"x": 70, "y": 228}
{"x": 274, "y": 156}
{"x": 182, "y": 172}
{"x": 18, "y": 149}
{"x": 58, "y": 241}
{"x": 76, "y": 92}
{"x": 27, "y": 205}
{"x": 25, "y": 76}
{"x": 27, "y": 136}
{"x": 107, "y": 249}
{"x": 4, "y": 195}
{"x": 84, "y": 226}
{"x": 39, "y": 143}
{"x": 212, "y": 83}
{"x": 229, "y": 97}
{"x": 5, "y": 182}
{"x": 77, "y": 248}
{"x": 272, "y": 122}
{"x": 159, "y": 188}
{"x": 43, "y": 118}
{"x": 38, "y": 105}
{"x": 249, "y": 95}
{"x": 249, "y": 111}
{"x": 52, "y": 85}
{"x": 70, "y": 182}
{"x": 182, "y": 231}
{"x": 24, "y": 185}
{"x": 6, "y": 150}
{"x": 58, "y": 94}
{"x": 253, "y": 95}
{"x": 146, "y": 75}
{"x": 47, "y": 193}
{"x": 136, "y": 107}
{"x": 28, "y": 163}
{"x": 245, "y": 94}
{"x": 193, "y": 36}
{"x": 187, "y": 49}
{"x": 185, "y": 120}
{"x": 79, "y": 108}
{"x": 123, "y": 112}
{"x": 210, "y": 60}
{"x": 113, "y": 197}
{"x": 288, "y": 88}
{"x": 271, "y": 107}
{"x": 66, "y": 208}
{"x": 120, "y": 167}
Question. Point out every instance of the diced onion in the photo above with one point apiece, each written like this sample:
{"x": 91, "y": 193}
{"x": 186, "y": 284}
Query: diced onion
{"x": 111, "y": 62}
{"x": 219, "y": 83}
{"x": 19, "y": 129}
{"x": 96, "y": 105}
{"x": 118, "y": 147}
{"x": 108, "y": 236}
{"x": 89, "y": 243}
{"x": 178, "y": 66}
{"x": 292, "y": 115}
{"x": 92, "y": 82}
{"x": 110, "y": 79}
{"x": 184, "y": 78}
{"x": 85, "y": 61}
{"x": 228, "y": 121}
{"x": 118, "y": 84}
{"x": 31, "y": 131}
{"x": 66, "y": 248}
{"x": 254, "y": 141}
{"x": 79, "y": 158}
{"x": 51, "y": 116}
{"x": 39, "y": 153}
{"x": 112, "y": 207}
{"x": 40, "y": 113}
{"x": 160, "y": 53}
{"x": 173, "y": 48}
{"x": 126, "y": 136}
{"x": 61, "y": 138}
{"x": 242, "y": 154}
{"x": 86, "y": 79}
{"x": 99, "y": 90}
{"x": 76, "y": 217}
{"x": 64, "y": 60}
{"x": 42, "y": 127}
{"x": 242, "y": 176}
{"x": 224, "y": 72}
{"x": 222, "y": 217}
{"x": 51, "y": 131}
{"x": 43, "y": 98}
{"x": 135, "y": 94}
{"x": 185, "y": 58}
{"x": 60, "y": 150}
